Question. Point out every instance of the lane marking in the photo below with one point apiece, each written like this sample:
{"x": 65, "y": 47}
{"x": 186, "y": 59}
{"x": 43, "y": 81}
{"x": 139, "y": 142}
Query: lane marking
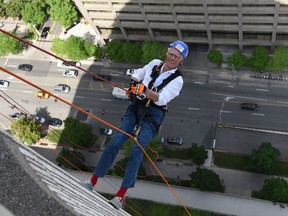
{"x": 235, "y": 96}
{"x": 79, "y": 97}
{"x": 104, "y": 99}
{"x": 282, "y": 102}
{"x": 258, "y": 114}
{"x": 28, "y": 92}
{"x": 264, "y": 90}
{"x": 201, "y": 83}
{"x": 225, "y": 111}
{"x": 193, "y": 108}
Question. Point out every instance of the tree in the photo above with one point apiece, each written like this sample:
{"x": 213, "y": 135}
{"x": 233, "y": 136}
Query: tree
{"x": 259, "y": 58}
{"x": 238, "y": 60}
{"x": 216, "y": 57}
{"x": 132, "y": 53}
{"x": 152, "y": 50}
{"x": 63, "y": 11}
{"x": 114, "y": 51}
{"x": 198, "y": 154}
{"x": 206, "y": 180}
{"x": 34, "y": 12}
{"x": 279, "y": 60}
{"x": 71, "y": 160}
{"x": 14, "y": 7}
{"x": 2, "y": 8}
{"x": 77, "y": 134}
{"x": 59, "y": 47}
{"x": 9, "y": 45}
{"x": 28, "y": 130}
{"x": 152, "y": 150}
{"x": 264, "y": 158}
{"x": 274, "y": 189}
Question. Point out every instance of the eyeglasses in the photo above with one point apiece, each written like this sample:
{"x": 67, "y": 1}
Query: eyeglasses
{"x": 174, "y": 56}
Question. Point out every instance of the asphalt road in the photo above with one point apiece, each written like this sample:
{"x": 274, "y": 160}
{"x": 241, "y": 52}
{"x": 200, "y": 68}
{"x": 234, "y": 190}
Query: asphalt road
{"x": 191, "y": 115}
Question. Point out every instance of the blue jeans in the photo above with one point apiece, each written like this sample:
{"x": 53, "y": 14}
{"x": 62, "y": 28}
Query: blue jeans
{"x": 146, "y": 133}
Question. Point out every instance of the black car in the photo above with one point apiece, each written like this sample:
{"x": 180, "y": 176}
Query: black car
{"x": 175, "y": 140}
{"x": 55, "y": 122}
{"x": 25, "y": 67}
{"x": 104, "y": 76}
{"x": 45, "y": 32}
{"x": 250, "y": 106}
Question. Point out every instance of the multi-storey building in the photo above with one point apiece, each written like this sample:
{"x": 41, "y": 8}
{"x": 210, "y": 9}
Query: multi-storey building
{"x": 237, "y": 23}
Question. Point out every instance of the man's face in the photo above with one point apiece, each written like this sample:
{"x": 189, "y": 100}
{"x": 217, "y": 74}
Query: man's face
{"x": 174, "y": 58}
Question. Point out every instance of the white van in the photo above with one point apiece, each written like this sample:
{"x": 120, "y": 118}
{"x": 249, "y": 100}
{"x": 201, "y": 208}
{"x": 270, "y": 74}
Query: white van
{"x": 66, "y": 65}
{"x": 119, "y": 93}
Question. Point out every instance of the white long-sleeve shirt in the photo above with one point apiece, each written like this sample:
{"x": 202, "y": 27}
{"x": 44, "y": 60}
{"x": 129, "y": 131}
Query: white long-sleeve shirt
{"x": 170, "y": 91}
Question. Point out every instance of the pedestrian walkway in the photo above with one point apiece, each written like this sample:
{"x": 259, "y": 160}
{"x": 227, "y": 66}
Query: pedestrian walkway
{"x": 213, "y": 202}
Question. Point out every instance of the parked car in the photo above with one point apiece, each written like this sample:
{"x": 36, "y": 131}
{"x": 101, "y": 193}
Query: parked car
{"x": 106, "y": 131}
{"x": 130, "y": 72}
{"x": 104, "y": 76}
{"x": 42, "y": 95}
{"x": 45, "y": 32}
{"x": 70, "y": 73}
{"x": 65, "y": 64}
{"x": 25, "y": 67}
{"x": 175, "y": 140}
{"x": 250, "y": 106}
{"x": 62, "y": 88}
{"x": 40, "y": 119}
{"x": 18, "y": 115}
{"x": 55, "y": 122}
{"x": 4, "y": 84}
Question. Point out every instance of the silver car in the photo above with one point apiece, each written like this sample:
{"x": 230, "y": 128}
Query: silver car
{"x": 62, "y": 88}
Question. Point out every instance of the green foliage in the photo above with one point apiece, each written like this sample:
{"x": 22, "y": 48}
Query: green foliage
{"x": 238, "y": 60}
{"x": 132, "y": 53}
{"x": 216, "y": 57}
{"x": 206, "y": 180}
{"x": 9, "y": 45}
{"x": 259, "y": 58}
{"x": 74, "y": 48}
{"x": 115, "y": 51}
{"x": 152, "y": 150}
{"x": 152, "y": 50}
{"x": 63, "y": 11}
{"x": 54, "y": 136}
{"x": 2, "y": 8}
{"x": 78, "y": 134}
{"x": 34, "y": 12}
{"x": 274, "y": 189}
{"x": 120, "y": 166}
{"x": 14, "y": 7}
{"x": 198, "y": 154}
{"x": 99, "y": 52}
{"x": 71, "y": 159}
{"x": 279, "y": 60}
{"x": 27, "y": 130}
{"x": 177, "y": 153}
{"x": 264, "y": 158}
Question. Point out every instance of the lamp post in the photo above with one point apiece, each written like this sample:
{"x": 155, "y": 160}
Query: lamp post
{"x": 226, "y": 99}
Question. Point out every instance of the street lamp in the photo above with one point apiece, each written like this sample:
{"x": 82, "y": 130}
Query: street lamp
{"x": 226, "y": 99}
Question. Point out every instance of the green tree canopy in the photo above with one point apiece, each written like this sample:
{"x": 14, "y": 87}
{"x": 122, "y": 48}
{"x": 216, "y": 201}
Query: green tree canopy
{"x": 63, "y": 11}
{"x": 216, "y": 57}
{"x": 9, "y": 45}
{"x": 2, "y": 8}
{"x": 238, "y": 60}
{"x": 198, "y": 154}
{"x": 28, "y": 130}
{"x": 152, "y": 150}
{"x": 274, "y": 189}
{"x": 14, "y": 7}
{"x": 259, "y": 58}
{"x": 206, "y": 180}
{"x": 72, "y": 160}
{"x": 152, "y": 50}
{"x": 279, "y": 60}
{"x": 34, "y": 12}
{"x": 77, "y": 134}
{"x": 114, "y": 50}
{"x": 132, "y": 53}
{"x": 264, "y": 158}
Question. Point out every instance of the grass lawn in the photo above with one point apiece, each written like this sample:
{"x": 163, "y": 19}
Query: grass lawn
{"x": 240, "y": 162}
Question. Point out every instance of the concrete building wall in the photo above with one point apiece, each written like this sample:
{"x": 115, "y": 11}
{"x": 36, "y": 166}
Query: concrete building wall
{"x": 212, "y": 22}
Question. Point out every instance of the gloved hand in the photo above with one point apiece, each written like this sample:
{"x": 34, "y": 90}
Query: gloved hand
{"x": 136, "y": 87}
